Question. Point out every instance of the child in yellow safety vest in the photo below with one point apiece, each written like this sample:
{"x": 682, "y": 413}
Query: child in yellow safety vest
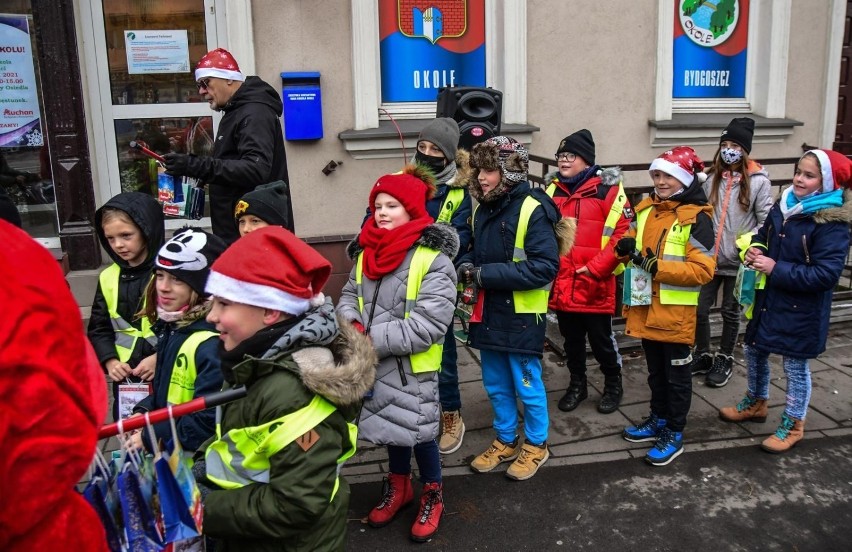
{"x": 130, "y": 229}
{"x": 187, "y": 345}
{"x": 671, "y": 239}
{"x": 270, "y": 478}
{"x": 402, "y": 292}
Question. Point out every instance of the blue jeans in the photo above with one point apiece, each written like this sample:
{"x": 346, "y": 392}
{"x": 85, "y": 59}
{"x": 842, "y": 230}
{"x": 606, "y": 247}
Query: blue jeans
{"x": 798, "y": 374}
{"x": 426, "y": 455}
{"x": 730, "y": 315}
{"x": 511, "y": 376}
{"x": 448, "y": 378}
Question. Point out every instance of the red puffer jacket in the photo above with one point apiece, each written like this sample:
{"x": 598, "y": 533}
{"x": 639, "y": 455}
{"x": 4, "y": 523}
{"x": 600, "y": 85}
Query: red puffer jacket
{"x": 586, "y": 210}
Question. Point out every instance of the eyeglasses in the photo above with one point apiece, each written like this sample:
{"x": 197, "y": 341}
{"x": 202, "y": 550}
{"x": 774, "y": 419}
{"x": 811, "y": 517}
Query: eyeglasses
{"x": 203, "y": 83}
{"x": 565, "y": 156}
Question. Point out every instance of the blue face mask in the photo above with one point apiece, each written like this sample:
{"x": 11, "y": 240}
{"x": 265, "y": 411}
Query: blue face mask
{"x": 731, "y": 156}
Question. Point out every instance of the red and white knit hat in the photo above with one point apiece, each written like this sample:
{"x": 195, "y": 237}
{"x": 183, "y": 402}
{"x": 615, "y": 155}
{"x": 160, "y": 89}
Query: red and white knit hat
{"x": 218, "y": 63}
{"x": 682, "y": 163}
{"x": 270, "y": 268}
{"x": 835, "y": 167}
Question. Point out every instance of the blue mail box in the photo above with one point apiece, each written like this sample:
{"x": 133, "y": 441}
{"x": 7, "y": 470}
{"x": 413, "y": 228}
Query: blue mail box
{"x": 302, "y": 105}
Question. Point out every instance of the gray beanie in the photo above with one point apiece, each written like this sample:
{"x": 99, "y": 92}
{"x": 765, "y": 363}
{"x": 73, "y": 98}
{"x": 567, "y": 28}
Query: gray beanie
{"x": 444, "y": 133}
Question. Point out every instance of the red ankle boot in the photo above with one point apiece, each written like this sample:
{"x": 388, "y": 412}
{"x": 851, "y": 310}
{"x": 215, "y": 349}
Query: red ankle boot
{"x": 396, "y": 494}
{"x": 429, "y": 516}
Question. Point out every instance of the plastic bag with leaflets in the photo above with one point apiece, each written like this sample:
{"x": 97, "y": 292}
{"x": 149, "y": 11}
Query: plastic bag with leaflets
{"x": 194, "y": 205}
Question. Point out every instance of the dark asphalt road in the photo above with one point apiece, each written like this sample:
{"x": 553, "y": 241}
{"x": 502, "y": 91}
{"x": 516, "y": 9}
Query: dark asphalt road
{"x": 739, "y": 499}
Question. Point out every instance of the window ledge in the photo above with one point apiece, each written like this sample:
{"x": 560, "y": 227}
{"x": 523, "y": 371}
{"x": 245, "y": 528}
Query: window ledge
{"x": 383, "y": 142}
{"x": 705, "y": 128}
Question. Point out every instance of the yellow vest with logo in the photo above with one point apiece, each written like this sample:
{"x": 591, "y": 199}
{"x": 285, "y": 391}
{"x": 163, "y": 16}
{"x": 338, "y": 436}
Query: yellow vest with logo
{"x": 430, "y": 359}
{"x": 125, "y": 334}
{"x": 674, "y": 249}
{"x": 531, "y": 301}
{"x": 451, "y": 204}
{"x": 612, "y": 218}
{"x": 241, "y": 456}
{"x": 182, "y": 382}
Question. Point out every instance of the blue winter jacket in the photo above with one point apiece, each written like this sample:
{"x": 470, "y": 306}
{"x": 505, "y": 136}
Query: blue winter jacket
{"x": 494, "y": 229}
{"x": 193, "y": 429}
{"x": 791, "y": 315}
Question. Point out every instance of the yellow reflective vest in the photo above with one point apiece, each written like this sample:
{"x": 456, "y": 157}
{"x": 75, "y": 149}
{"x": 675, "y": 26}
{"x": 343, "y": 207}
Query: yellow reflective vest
{"x": 451, "y": 204}
{"x": 241, "y": 456}
{"x": 531, "y": 301}
{"x": 125, "y": 333}
{"x": 430, "y": 359}
{"x": 674, "y": 249}
{"x": 182, "y": 382}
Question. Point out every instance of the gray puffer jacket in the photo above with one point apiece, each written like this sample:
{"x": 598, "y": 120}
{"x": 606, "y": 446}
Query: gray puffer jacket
{"x": 404, "y": 409}
{"x": 737, "y": 221}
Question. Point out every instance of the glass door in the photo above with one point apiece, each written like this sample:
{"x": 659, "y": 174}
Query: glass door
{"x": 146, "y": 52}
{"x": 25, "y": 174}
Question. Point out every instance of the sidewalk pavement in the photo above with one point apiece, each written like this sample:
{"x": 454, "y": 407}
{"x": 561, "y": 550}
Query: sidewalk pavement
{"x": 587, "y": 436}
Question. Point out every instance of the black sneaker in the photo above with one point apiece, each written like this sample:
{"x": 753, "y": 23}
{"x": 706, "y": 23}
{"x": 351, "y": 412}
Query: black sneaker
{"x": 700, "y": 364}
{"x": 721, "y": 371}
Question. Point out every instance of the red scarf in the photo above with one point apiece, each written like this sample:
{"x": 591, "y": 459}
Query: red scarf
{"x": 384, "y": 250}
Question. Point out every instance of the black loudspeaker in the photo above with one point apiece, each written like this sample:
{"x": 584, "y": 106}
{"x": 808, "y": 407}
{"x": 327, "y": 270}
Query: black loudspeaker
{"x": 476, "y": 110}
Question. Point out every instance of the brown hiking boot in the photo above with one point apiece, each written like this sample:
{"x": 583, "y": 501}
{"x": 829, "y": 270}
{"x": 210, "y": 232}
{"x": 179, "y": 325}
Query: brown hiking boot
{"x": 789, "y": 432}
{"x": 452, "y": 432}
{"x": 748, "y": 409}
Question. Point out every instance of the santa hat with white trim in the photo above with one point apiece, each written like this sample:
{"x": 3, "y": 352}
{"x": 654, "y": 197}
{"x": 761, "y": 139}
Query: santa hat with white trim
{"x": 682, "y": 163}
{"x": 218, "y": 63}
{"x": 835, "y": 167}
{"x": 273, "y": 269}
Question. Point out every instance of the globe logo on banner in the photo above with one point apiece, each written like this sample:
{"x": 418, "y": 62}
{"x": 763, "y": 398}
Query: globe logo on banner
{"x": 429, "y": 44}
{"x": 709, "y": 23}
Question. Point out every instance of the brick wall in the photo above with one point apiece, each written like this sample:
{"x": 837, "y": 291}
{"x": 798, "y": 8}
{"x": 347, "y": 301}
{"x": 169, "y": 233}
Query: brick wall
{"x": 453, "y": 11}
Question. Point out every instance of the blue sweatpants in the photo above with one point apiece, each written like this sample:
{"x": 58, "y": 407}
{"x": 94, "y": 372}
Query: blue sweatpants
{"x": 511, "y": 376}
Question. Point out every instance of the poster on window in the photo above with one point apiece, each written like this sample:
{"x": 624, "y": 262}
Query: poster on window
{"x": 710, "y": 47}
{"x": 157, "y": 51}
{"x": 20, "y": 119}
{"x": 429, "y": 44}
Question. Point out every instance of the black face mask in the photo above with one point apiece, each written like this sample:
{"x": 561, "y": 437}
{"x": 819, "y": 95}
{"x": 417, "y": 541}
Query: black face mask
{"x": 437, "y": 164}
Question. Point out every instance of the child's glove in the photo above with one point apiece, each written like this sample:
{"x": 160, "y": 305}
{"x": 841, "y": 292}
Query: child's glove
{"x": 648, "y": 263}
{"x": 625, "y": 246}
{"x": 199, "y": 470}
{"x": 464, "y": 272}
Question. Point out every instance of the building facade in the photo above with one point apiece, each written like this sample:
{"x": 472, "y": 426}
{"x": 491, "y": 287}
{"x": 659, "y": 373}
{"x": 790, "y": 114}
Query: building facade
{"x": 641, "y": 76}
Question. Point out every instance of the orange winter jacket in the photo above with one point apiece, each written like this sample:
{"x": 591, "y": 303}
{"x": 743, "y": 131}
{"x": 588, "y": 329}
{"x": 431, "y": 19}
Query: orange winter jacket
{"x": 673, "y": 323}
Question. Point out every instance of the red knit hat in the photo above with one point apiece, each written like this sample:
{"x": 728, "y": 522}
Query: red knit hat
{"x": 412, "y": 187}
{"x": 218, "y": 63}
{"x": 52, "y": 401}
{"x": 682, "y": 163}
{"x": 836, "y": 169}
{"x": 270, "y": 268}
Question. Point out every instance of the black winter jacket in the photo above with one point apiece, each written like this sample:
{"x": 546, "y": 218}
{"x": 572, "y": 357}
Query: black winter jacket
{"x": 148, "y": 216}
{"x": 249, "y": 151}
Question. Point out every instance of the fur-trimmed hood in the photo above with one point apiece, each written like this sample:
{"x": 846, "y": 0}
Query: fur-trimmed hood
{"x": 836, "y": 214}
{"x": 464, "y": 172}
{"x": 344, "y": 371}
{"x": 610, "y": 176}
{"x": 440, "y": 236}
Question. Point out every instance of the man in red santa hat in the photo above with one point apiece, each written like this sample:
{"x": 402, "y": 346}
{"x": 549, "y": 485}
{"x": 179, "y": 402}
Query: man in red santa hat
{"x": 249, "y": 147}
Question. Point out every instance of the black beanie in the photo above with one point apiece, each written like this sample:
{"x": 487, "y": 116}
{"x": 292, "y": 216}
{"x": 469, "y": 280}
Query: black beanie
{"x": 580, "y": 143}
{"x": 268, "y": 202}
{"x": 188, "y": 256}
{"x": 740, "y": 131}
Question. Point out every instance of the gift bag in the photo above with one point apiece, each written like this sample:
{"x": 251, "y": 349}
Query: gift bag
{"x": 100, "y": 494}
{"x": 135, "y": 491}
{"x": 129, "y": 395}
{"x": 194, "y": 206}
{"x": 180, "y": 500}
{"x": 745, "y": 285}
{"x": 637, "y": 287}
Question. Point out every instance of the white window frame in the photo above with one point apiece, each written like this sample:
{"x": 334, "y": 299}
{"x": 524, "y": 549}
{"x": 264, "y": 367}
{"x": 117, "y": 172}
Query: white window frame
{"x": 232, "y": 26}
{"x": 505, "y": 63}
{"x": 766, "y": 82}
